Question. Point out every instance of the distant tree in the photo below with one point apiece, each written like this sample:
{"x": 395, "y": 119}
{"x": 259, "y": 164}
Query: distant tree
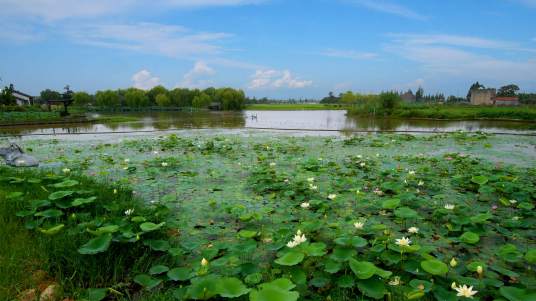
{"x": 348, "y": 98}
{"x": 50, "y": 95}
{"x": 107, "y": 98}
{"x": 230, "y": 98}
{"x": 163, "y": 100}
{"x": 331, "y": 98}
{"x": 156, "y": 91}
{"x": 6, "y": 97}
{"x": 202, "y": 100}
{"x": 419, "y": 94}
{"x": 136, "y": 98}
{"x": 389, "y": 101}
{"x": 508, "y": 90}
{"x": 82, "y": 99}
{"x": 475, "y": 86}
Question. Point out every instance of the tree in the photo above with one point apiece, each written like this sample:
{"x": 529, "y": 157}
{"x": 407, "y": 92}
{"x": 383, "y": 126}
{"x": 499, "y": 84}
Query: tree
{"x": 163, "y": 100}
{"x": 136, "y": 98}
{"x": 508, "y": 90}
{"x": 475, "y": 86}
{"x": 107, "y": 98}
{"x": 6, "y": 97}
{"x": 50, "y": 95}
{"x": 419, "y": 94}
{"x": 389, "y": 101}
{"x": 82, "y": 99}
{"x": 348, "y": 98}
{"x": 155, "y": 92}
{"x": 201, "y": 101}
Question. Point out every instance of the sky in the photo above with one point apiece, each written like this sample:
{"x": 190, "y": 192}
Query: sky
{"x": 268, "y": 48}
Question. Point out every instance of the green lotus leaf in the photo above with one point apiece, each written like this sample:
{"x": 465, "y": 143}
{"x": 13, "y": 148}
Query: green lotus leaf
{"x": 247, "y": 233}
{"x": 517, "y": 294}
{"x": 158, "y": 245}
{"x": 179, "y": 274}
{"x": 96, "y": 245}
{"x": 343, "y": 253}
{"x": 49, "y": 213}
{"x": 82, "y": 201}
{"x": 480, "y": 180}
{"x": 148, "y": 226}
{"x": 315, "y": 249}
{"x": 470, "y": 238}
{"x": 473, "y": 266}
{"x": 52, "y": 230}
{"x": 332, "y": 266}
{"x": 147, "y": 281}
{"x": 95, "y": 294}
{"x": 230, "y": 287}
{"x": 203, "y": 288}
{"x": 372, "y": 288}
{"x": 510, "y": 253}
{"x": 66, "y": 184}
{"x": 290, "y": 258}
{"x": 60, "y": 195}
{"x": 277, "y": 290}
{"x": 481, "y": 218}
{"x": 390, "y": 204}
{"x": 105, "y": 229}
{"x": 158, "y": 269}
{"x": 418, "y": 284}
{"x": 345, "y": 281}
{"x": 530, "y": 256}
{"x": 435, "y": 267}
{"x": 406, "y": 213}
{"x": 362, "y": 269}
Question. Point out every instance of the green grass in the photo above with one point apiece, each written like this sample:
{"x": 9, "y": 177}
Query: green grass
{"x": 294, "y": 107}
{"x": 457, "y": 112}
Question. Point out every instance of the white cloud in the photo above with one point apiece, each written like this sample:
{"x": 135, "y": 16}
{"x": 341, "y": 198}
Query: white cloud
{"x": 145, "y": 80}
{"x": 196, "y": 77}
{"x": 51, "y": 10}
{"x": 449, "y": 57}
{"x": 390, "y": 8}
{"x": 153, "y": 38}
{"x": 350, "y": 54}
{"x": 276, "y": 79}
{"x": 19, "y": 33}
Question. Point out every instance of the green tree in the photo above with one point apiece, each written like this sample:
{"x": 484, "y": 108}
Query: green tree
{"x": 181, "y": 97}
{"x": 107, "y": 98}
{"x": 419, "y": 94}
{"x": 155, "y": 91}
{"x": 389, "y": 101}
{"x": 163, "y": 100}
{"x": 50, "y": 95}
{"x": 201, "y": 101}
{"x": 6, "y": 97}
{"x": 508, "y": 90}
{"x": 348, "y": 98}
{"x": 136, "y": 98}
{"x": 230, "y": 99}
{"x": 82, "y": 99}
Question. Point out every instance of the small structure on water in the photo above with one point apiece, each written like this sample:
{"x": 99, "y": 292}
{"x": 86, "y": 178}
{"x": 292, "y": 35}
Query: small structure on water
{"x": 66, "y": 100}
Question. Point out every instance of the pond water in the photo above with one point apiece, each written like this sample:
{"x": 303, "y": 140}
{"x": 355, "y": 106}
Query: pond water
{"x": 306, "y": 121}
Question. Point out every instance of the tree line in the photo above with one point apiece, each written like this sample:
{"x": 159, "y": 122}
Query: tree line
{"x": 220, "y": 98}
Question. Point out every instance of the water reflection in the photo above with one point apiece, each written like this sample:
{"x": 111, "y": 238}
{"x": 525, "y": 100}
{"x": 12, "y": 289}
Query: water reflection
{"x": 299, "y": 120}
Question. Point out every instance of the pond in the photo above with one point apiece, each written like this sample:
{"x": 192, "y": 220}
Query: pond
{"x": 305, "y": 121}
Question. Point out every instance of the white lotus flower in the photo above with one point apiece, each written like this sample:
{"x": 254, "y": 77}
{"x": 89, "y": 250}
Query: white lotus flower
{"x": 449, "y": 207}
{"x": 310, "y": 180}
{"x": 464, "y": 291}
{"x": 305, "y": 205}
{"x": 395, "y": 281}
{"x": 421, "y": 183}
{"x": 411, "y": 172}
{"x": 362, "y": 164}
{"x": 155, "y": 152}
{"x": 512, "y": 201}
{"x": 115, "y": 191}
{"x": 298, "y": 239}
{"x": 204, "y": 262}
{"x": 413, "y": 230}
{"x": 164, "y": 164}
{"x": 129, "y": 212}
{"x": 332, "y": 196}
{"x": 359, "y": 225}
{"x": 403, "y": 242}
{"x": 479, "y": 270}
{"x": 126, "y": 160}
{"x": 291, "y": 244}
{"x": 66, "y": 170}
{"x": 273, "y": 164}
{"x": 453, "y": 262}
{"x": 313, "y": 187}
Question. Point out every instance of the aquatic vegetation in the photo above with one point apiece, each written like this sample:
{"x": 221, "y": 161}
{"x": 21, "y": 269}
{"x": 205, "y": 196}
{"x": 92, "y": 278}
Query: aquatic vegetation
{"x": 299, "y": 218}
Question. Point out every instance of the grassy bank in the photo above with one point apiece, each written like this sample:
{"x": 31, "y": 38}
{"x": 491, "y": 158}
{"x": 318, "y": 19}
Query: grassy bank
{"x": 385, "y": 217}
{"x": 453, "y": 112}
{"x": 41, "y": 117}
{"x": 294, "y": 107}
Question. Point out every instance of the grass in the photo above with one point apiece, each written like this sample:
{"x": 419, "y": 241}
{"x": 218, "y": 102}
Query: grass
{"x": 237, "y": 202}
{"x": 294, "y": 107}
{"x": 457, "y": 112}
{"x": 34, "y": 117}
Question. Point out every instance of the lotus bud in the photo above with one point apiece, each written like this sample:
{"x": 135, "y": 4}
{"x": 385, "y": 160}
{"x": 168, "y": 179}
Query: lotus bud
{"x": 453, "y": 262}
{"x": 479, "y": 270}
{"x": 453, "y": 285}
{"x": 204, "y": 262}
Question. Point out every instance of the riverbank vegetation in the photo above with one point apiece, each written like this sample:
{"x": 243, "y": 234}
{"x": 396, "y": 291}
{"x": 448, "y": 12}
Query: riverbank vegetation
{"x": 294, "y": 107}
{"x": 273, "y": 219}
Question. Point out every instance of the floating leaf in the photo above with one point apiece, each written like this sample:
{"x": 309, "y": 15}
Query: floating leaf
{"x": 50, "y": 213}
{"x": 82, "y": 201}
{"x": 516, "y": 294}
{"x": 229, "y": 287}
{"x": 372, "y": 288}
{"x": 390, "y": 204}
{"x": 52, "y": 230}
{"x": 59, "y": 195}
{"x": 406, "y": 212}
{"x": 247, "y": 233}
{"x": 277, "y": 290}
{"x": 66, "y": 184}
{"x": 148, "y": 227}
{"x": 95, "y": 294}
{"x": 179, "y": 274}
{"x": 96, "y": 245}
{"x": 147, "y": 281}
{"x": 530, "y": 256}
{"x": 290, "y": 258}
{"x": 470, "y": 238}
{"x": 362, "y": 269}
{"x": 480, "y": 180}
{"x": 435, "y": 267}
{"x": 158, "y": 269}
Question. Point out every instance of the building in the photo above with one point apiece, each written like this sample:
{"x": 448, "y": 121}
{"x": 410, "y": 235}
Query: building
{"x": 408, "y": 96}
{"x": 506, "y": 101}
{"x": 488, "y": 97}
{"x": 481, "y": 97}
{"x": 22, "y": 99}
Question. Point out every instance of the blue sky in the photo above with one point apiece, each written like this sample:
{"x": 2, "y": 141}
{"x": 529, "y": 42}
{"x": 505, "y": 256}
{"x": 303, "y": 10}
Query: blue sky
{"x": 270, "y": 48}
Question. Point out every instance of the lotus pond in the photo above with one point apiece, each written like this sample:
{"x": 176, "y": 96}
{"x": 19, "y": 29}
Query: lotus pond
{"x": 264, "y": 217}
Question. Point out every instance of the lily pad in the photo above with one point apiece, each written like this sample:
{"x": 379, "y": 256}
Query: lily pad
{"x": 290, "y": 258}
{"x": 96, "y": 245}
{"x": 147, "y": 281}
{"x": 435, "y": 267}
{"x": 470, "y": 238}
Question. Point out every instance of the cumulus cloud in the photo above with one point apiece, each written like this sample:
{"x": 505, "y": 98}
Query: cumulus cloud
{"x": 276, "y": 79}
{"x": 145, "y": 80}
{"x": 197, "y": 76}
{"x": 349, "y": 54}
